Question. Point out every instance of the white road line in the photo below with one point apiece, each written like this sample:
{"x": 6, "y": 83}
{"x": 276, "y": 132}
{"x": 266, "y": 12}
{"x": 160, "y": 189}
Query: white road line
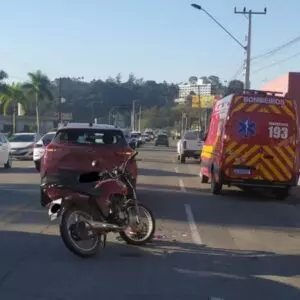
{"x": 181, "y": 184}
{"x": 194, "y": 231}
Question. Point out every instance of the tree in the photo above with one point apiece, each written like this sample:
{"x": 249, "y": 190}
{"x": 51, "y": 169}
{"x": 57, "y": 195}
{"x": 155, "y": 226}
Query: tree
{"x": 39, "y": 86}
{"x": 3, "y": 86}
{"x": 216, "y": 85}
{"x": 205, "y": 79}
{"x": 193, "y": 79}
{"x": 13, "y": 96}
{"x": 235, "y": 86}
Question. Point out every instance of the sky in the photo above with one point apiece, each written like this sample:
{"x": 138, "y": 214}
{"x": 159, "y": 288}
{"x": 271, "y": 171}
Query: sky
{"x": 154, "y": 39}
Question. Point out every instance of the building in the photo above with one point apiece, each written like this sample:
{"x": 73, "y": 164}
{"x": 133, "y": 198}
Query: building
{"x": 288, "y": 85}
{"x": 197, "y": 88}
{"x": 26, "y": 124}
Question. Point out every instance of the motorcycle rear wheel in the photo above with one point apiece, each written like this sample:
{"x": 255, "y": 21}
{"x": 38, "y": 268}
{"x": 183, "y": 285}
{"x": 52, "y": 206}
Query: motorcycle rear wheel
{"x": 150, "y": 229}
{"x": 68, "y": 240}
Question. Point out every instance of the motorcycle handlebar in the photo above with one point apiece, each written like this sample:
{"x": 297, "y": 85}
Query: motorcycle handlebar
{"x": 132, "y": 156}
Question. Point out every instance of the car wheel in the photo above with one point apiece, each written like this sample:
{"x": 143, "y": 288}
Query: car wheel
{"x": 182, "y": 159}
{"x": 216, "y": 186}
{"x": 281, "y": 194}
{"x": 8, "y": 164}
{"x": 37, "y": 165}
{"x": 203, "y": 178}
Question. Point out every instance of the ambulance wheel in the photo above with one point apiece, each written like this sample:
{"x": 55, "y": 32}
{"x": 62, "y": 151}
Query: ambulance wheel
{"x": 182, "y": 159}
{"x": 281, "y": 194}
{"x": 203, "y": 178}
{"x": 216, "y": 187}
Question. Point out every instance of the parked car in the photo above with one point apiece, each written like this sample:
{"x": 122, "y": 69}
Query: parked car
{"x": 162, "y": 140}
{"x": 150, "y": 134}
{"x": 189, "y": 146}
{"x": 22, "y": 145}
{"x": 145, "y": 137}
{"x": 39, "y": 148}
{"x": 5, "y": 155}
{"x": 78, "y": 148}
{"x": 137, "y": 137}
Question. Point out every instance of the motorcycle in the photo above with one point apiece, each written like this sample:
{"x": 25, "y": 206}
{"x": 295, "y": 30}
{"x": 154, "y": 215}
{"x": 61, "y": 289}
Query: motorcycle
{"x": 110, "y": 206}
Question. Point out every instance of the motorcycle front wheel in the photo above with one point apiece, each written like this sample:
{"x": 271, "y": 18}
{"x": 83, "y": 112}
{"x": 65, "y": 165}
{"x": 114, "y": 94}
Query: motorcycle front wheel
{"x": 74, "y": 233}
{"x": 142, "y": 232}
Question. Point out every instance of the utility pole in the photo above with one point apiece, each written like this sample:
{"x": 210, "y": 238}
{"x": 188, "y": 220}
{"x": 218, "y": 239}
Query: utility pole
{"x": 59, "y": 101}
{"x": 133, "y": 115}
{"x": 140, "y": 117}
{"x": 249, "y": 14}
{"x": 199, "y": 108}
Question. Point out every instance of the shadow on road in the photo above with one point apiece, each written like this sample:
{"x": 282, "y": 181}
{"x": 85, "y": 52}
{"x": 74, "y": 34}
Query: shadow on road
{"x": 163, "y": 270}
{"x": 167, "y": 203}
{"x": 230, "y": 209}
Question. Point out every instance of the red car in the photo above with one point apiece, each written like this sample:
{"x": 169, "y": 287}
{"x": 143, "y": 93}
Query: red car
{"x": 79, "y": 148}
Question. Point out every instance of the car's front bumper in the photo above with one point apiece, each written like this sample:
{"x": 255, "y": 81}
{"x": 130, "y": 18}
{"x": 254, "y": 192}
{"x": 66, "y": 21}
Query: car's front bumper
{"x": 22, "y": 153}
{"x": 192, "y": 153}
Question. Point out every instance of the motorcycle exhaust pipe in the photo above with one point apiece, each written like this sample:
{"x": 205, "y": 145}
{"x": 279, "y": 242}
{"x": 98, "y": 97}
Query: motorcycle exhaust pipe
{"x": 102, "y": 226}
{"x": 54, "y": 209}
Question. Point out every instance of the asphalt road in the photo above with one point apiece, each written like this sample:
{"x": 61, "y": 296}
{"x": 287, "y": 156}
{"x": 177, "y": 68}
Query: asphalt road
{"x": 233, "y": 246}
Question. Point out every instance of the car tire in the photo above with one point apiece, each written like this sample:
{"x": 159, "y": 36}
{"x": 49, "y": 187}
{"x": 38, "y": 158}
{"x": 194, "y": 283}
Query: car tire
{"x": 8, "y": 164}
{"x": 216, "y": 186}
{"x": 182, "y": 159}
{"x": 203, "y": 178}
{"x": 37, "y": 165}
{"x": 281, "y": 194}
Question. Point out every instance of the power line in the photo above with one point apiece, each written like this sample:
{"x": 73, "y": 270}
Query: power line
{"x": 278, "y": 62}
{"x": 277, "y": 49}
{"x": 239, "y": 71}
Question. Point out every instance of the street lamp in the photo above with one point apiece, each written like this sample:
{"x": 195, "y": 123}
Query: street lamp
{"x": 246, "y": 48}
{"x": 110, "y": 113}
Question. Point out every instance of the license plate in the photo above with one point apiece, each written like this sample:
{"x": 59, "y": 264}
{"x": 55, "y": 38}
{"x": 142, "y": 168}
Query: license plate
{"x": 242, "y": 171}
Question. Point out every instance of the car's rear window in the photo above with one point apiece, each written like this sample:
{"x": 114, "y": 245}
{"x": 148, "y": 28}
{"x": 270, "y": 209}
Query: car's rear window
{"x": 191, "y": 135}
{"x": 162, "y": 137}
{"x": 91, "y": 136}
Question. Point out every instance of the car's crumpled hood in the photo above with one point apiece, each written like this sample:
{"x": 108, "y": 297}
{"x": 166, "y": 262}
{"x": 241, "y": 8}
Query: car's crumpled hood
{"x": 19, "y": 145}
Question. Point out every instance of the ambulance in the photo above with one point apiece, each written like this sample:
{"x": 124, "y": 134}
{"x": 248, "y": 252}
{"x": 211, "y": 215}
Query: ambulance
{"x": 251, "y": 142}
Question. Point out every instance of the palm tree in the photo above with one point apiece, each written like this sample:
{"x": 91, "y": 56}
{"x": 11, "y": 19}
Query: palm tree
{"x": 39, "y": 86}
{"x": 12, "y": 96}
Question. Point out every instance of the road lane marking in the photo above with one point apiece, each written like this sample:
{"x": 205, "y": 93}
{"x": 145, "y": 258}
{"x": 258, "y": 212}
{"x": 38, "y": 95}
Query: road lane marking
{"x": 193, "y": 227}
{"x": 181, "y": 184}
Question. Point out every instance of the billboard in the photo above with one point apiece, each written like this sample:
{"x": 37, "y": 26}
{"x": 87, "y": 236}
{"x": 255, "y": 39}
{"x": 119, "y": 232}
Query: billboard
{"x": 205, "y": 101}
